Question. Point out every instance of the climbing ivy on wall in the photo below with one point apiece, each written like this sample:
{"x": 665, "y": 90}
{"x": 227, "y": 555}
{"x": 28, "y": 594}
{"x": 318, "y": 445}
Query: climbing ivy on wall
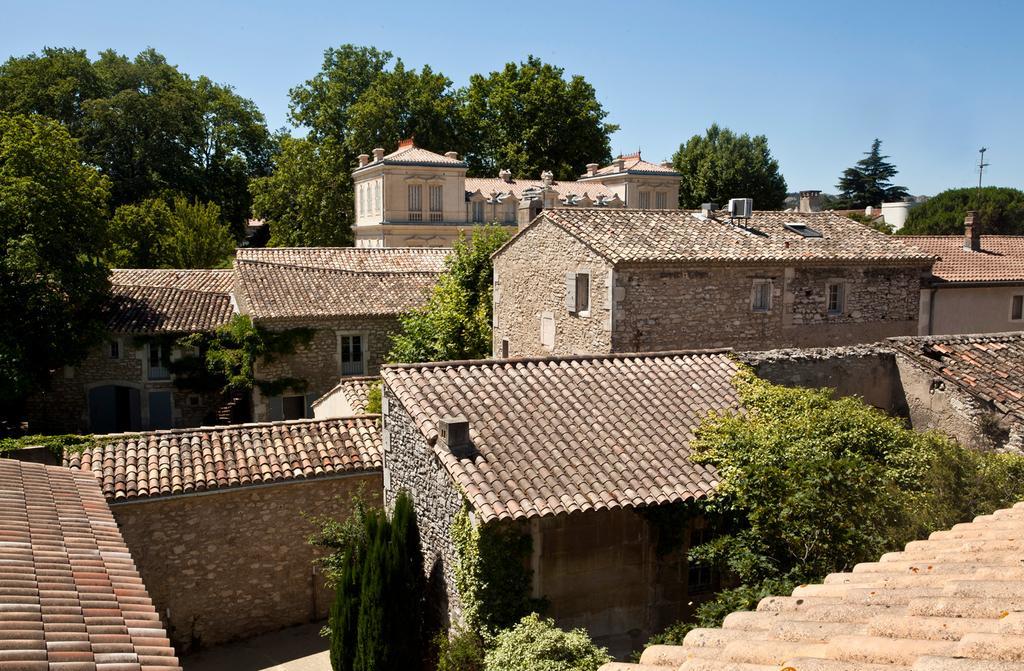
{"x": 227, "y": 357}
{"x": 491, "y": 573}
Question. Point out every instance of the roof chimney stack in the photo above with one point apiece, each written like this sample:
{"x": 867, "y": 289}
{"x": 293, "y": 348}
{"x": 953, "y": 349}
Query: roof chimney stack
{"x": 972, "y": 232}
{"x": 810, "y": 201}
{"x": 363, "y": 159}
{"x": 619, "y": 164}
{"x": 547, "y": 177}
{"x": 452, "y": 155}
{"x": 708, "y": 209}
{"x": 453, "y": 433}
{"x": 592, "y": 168}
{"x": 378, "y": 154}
{"x": 505, "y": 175}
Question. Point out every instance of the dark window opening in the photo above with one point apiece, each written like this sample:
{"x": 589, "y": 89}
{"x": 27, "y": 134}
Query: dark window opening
{"x": 803, "y": 230}
{"x": 293, "y": 407}
{"x": 1017, "y": 311}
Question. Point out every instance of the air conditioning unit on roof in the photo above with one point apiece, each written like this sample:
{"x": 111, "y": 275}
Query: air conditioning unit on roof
{"x": 741, "y": 208}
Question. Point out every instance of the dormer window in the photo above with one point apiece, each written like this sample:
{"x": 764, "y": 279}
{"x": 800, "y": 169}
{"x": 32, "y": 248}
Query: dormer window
{"x": 802, "y": 230}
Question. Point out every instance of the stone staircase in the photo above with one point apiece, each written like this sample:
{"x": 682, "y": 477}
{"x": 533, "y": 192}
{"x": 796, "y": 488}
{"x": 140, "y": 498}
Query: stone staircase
{"x": 954, "y": 602}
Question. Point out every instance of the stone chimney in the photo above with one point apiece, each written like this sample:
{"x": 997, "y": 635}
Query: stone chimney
{"x": 528, "y": 211}
{"x": 363, "y": 159}
{"x": 619, "y": 164}
{"x": 708, "y": 209}
{"x": 505, "y": 175}
{"x": 547, "y": 177}
{"x": 453, "y": 434}
{"x": 592, "y": 168}
{"x": 452, "y": 155}
{"x": 810, "y": 201}
{"x": 972, "y": 232}
{"x": 378, "y": 154}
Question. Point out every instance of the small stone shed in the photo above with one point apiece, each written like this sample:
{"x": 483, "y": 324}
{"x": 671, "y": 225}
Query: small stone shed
{"x": 599, "y": 280}
{"x": 567, "y": 449}
{"x": 217, "y": 518}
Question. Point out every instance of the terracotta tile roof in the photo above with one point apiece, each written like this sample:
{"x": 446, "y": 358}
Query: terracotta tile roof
{"x": 326, "y": 282}
{"x": 70, "y": 595}
{"x": 565, "y": 434}
{"x": 638, "y": 236}
{"x": 185, "y": 461}
{"x": 954, "y": 602}
{"x": 488, "y": 185}
{"x": 168, "y": 301}
{"x": 990, "y": 366}
{"x": 355, "y": 391}
{"x": 634, "y": 164}
{"x": 409, "y": 154}
{"x": 1001, "y": 258}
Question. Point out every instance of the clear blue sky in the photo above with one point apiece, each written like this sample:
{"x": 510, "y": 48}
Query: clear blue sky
{"x": 934, "y": 80}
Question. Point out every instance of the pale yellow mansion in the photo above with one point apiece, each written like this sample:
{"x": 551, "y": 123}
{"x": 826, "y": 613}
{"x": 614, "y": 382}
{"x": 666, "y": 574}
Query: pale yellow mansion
{"x": 413, "y": 197}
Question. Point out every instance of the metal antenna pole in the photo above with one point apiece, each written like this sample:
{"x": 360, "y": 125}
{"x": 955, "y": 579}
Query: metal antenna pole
{"x": 981, "y": 165}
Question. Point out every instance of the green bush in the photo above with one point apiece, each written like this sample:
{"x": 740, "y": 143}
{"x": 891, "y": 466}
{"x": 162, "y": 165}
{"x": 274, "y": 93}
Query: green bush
{"x": 462, "y": 650}
{"x": 809, "y": 485}
{"x": 58, "y": 444}
{"x": 536, "y": 644}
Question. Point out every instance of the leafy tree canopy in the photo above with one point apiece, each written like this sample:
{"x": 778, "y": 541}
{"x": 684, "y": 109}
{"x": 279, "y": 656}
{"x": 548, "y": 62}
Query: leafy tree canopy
{"x": 455, "y": 323}
{"x": 811, "y": 485}
{"x": 53, "y": 227}
{"x": 720, "y": 165}
{"x": 1000, "y": 209}
{"x": 308, "y": 200}
{"x": 528, "y": 118}
{"x": 146, "y": 125}
{"x": 869, "y": 181}
{"x": 153, "y": 234}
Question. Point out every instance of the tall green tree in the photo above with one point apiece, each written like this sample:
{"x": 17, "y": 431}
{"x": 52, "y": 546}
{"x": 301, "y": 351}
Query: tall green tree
{"x": 53, "y": 226}
{"x": 149, "y": 127}
{"x": 528, "y": 118}
{"x": 308, "y": 199}
{"x": 1000, "y": 209}
{"x": 455, "y": 323}
{"x": 135, "y": 234}
{"x": 720, "y": 165}
{"x": 869, "y": 181}
{"x": 197, "y": 237}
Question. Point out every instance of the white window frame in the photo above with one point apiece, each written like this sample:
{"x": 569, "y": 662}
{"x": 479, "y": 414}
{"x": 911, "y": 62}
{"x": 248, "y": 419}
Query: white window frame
{"x": 583, "y": 297}
{"x": 478, "y": 213}
{"x": 755, "y": 286}
{"x": 363, "y": 346}
{"x": 160, "y": 357}
{"x": 376, "y": 197}
{"x": 1013, "y": 301}
{"x": 841, "y": 298}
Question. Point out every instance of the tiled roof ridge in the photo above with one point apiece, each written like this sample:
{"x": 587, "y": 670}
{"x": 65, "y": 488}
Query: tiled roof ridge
{"x": 366, "y": 250}
{"x": 1004, "y": 336}
{"x": 614, "y": 356}
{"x": 234, "y": 427}
{"x": 340, "y": 271}
{"x": 183, "y": 290}
{"x": 956, "y": 236}
{"x": 950, "y": 602}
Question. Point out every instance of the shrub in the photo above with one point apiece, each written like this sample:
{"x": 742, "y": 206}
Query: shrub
{"x": 462, "y": 650}
{"x": 536, "y": 644}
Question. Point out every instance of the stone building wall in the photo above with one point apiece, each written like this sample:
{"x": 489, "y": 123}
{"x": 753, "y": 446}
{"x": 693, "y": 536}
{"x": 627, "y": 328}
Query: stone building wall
{"x": 670, "y": 308}
{"x": 529, "y": 281}
{"x": 319, "y": 362}
{"x": 235, "y": 563}
{"x": 411, "y": 465}
{"x": 64, "y": 406}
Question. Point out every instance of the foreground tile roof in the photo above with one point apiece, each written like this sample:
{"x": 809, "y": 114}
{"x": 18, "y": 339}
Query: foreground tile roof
{"x": 355, "y": 391}
{"x": 990, "y": 366}
{"x": 70, "y": 595}
{"x": 954, "y": 602}
{"x": 325, "y": 282}
{"x": 566, "y": 434}
{"x": 638, "y": 236}
{"x": 634, "y": 164}
{"x": 1001, "y": 258}
{"x": 163, "y": 463}
{"x": 146, "y": 301}
{"x": 488, "y": 185}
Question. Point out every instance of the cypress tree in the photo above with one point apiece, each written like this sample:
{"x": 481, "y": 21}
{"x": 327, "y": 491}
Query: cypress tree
{"x": 404, "y": 619}
{"x": 371, "y": 645}
{"x": 345, "y": 612}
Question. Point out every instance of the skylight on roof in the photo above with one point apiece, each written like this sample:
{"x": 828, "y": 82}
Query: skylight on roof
{"x": 803, "y": 230}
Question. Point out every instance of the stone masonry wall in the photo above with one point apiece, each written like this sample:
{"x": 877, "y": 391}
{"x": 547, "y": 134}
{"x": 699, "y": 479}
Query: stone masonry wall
{"x": 233, "y": 564}
{"x": 529, "y": 279}
{"x": 319, "y": 362}
{"x": 682, "y": 308}
{"x": 64, "y": 407}
{"x": 411, "y": 465}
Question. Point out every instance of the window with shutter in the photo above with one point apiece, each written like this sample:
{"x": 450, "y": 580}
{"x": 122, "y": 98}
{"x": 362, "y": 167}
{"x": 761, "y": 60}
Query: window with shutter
{"x": 582, "y": 293}
{"x": 761, "y": 296}
{"x": 415, "y": 202}
{"x": 645, "y": 200}
{"x": 547, "y": 330}
{"x": 836, "y": 298}
{"x": 570, "y": 292}
{"x": 661, "y": 200}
